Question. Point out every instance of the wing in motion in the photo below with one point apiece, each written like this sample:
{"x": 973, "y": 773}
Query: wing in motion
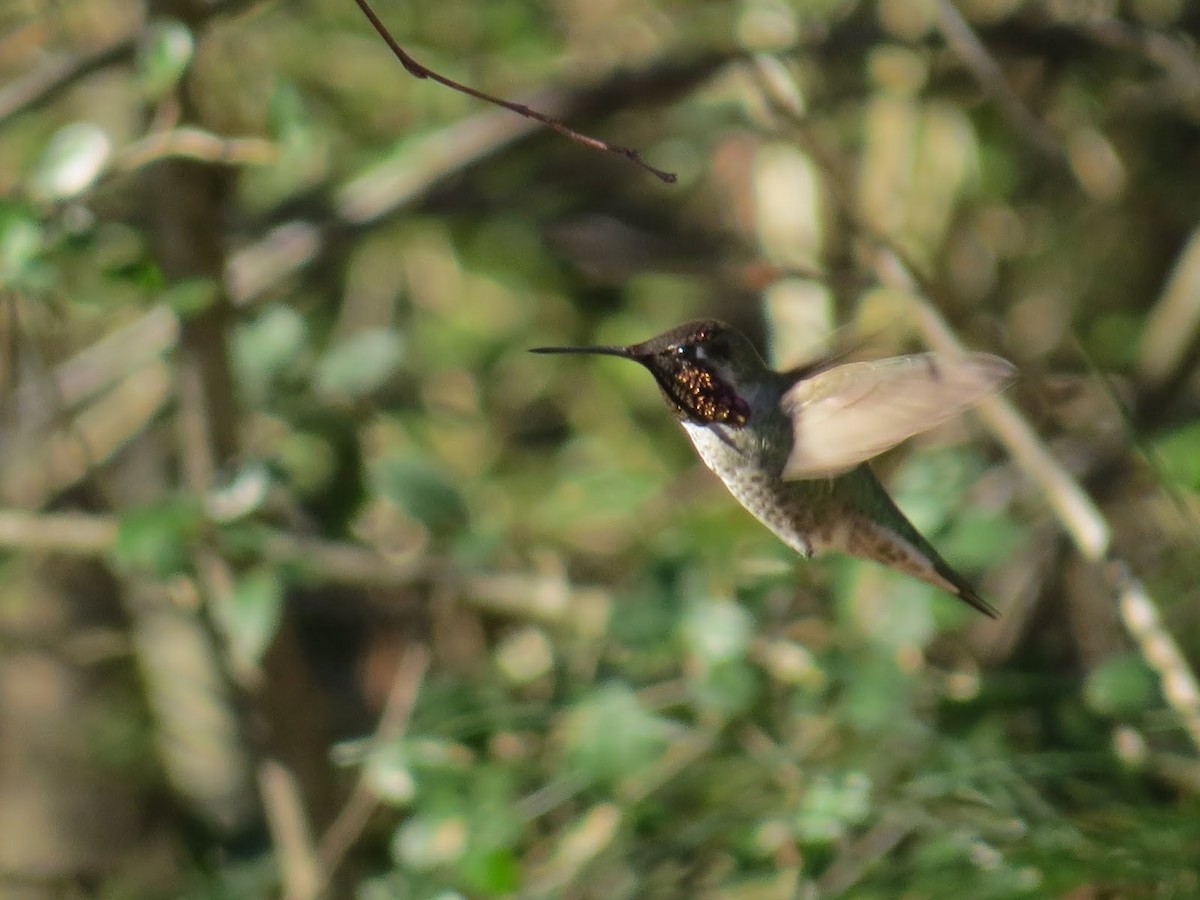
{"x": 845, "y": 415}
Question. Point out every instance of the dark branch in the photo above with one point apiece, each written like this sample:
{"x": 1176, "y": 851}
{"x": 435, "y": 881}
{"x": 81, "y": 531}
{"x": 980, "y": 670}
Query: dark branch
{"x": 419, "y": 71}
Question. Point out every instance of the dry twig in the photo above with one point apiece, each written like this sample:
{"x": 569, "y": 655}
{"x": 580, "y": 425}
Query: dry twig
{"x": 353, "y": 818}
{"x": 419, "y": 71}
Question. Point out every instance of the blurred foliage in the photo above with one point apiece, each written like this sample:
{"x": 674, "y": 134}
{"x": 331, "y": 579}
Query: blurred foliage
{"x": 271, "y": 436}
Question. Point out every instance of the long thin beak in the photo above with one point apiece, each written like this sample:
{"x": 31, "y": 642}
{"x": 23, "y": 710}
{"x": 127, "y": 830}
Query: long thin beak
{"x": 601, "y": 351}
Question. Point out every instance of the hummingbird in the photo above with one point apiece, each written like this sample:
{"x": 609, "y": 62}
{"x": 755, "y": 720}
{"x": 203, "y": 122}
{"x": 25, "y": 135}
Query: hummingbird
{"x": 792, "y": 447}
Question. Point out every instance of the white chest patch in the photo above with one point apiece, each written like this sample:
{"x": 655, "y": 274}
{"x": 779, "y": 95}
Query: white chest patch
{"x": 709, "y": 444}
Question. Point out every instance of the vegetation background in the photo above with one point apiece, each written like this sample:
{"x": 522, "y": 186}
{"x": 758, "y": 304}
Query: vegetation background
{"x": 314, "y": 582}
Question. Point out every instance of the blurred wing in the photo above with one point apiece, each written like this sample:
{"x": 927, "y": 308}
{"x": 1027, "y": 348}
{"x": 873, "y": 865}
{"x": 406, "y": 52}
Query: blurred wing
{"x": 845, "y": 415}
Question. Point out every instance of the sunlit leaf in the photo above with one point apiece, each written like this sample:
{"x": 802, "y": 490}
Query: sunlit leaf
{"x": 359, "y": 365}
{"x": 831, "y": 806}
{"x": 265, "y": 346}
{"x": 427, "y": 841}
{"x": 717, "y": 631}
{"x": 73, "y": 160}
{"x": 389, "y": 774}
{"x": 253, "y": 612}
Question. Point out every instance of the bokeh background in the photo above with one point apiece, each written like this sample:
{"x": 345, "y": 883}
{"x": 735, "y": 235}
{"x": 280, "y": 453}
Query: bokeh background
{"x": 315, "y": 583}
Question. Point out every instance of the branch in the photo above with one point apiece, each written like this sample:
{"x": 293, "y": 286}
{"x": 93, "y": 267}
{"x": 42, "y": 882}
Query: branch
{"x": 974, "y": 55}
{"x": 353, "y": 818}
{"x": 419, "y": 71}
{"x": 198, "y": 145}
{"x": 289, "y": 829}
{"x": 51, "y": 79}
{"x": 1081, "y": 518}
{"x": 59, "y": 74}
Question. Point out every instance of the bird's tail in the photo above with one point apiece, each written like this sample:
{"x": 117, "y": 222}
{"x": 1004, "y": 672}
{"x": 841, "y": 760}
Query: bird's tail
{"x": 894, "y": 541}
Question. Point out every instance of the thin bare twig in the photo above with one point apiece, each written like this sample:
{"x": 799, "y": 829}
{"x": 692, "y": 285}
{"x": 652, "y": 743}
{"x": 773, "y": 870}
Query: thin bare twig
{"x": 419, "y": 71}
{"x": 353, "y": 817}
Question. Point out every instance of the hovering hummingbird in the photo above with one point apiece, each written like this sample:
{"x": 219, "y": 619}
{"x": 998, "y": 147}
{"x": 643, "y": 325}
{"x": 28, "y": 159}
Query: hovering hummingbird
{"x": 792, "y": 446}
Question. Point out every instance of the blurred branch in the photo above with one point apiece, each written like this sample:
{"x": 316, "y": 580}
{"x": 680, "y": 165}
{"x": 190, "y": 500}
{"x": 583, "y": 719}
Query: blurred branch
{"x": 101, "y": 364}
{"x": 75, "y": 534}
{"x": 1141, "y": 618}
{"x": 196, "y": 144}
{"x": 1174, "y": 56}
{"x": 1167, "y": 351}
{"x": 37, "y": 470}
{"x": 538, "y": 596}
{"x": 419, "y": 71}
{"x": 52, "y": 78}
{"x": 857, "y": 858}
{"x": 57, "y": 75}
{"x": 1081, "y": 518}
{"x": 298, "y": 867}
{"x": 353, "y": 818}
{"x": 975, "y": 56}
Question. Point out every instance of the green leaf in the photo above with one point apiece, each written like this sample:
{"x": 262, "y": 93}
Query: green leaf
{"x": 359, "y": 365}
{"x": 241, "y": 496}
{"x": 164, "y": 55}
{"x": 1121, "y": 687}
{"x": 21, "y": 245}
{"x": 878, "y": 693}
{"x": 266, "y": 346}
{"x": 726, "y": 689}
{"x": 423, "y": 492}
{"x": 157, "y": 539}
{"x": 191, "y": 296}
{"x": 252, "y": 615}
{"x": 717, "y": 631}
{"x": 389, "y": 774}
{"x": 610, "y": 735}
{"x": 979, "y": 537}
{"x": 494, "y": 871}
{"x": 829, "y": 807}
{"x": 1179, "y": 455}
{"x": 289, "y": 123}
